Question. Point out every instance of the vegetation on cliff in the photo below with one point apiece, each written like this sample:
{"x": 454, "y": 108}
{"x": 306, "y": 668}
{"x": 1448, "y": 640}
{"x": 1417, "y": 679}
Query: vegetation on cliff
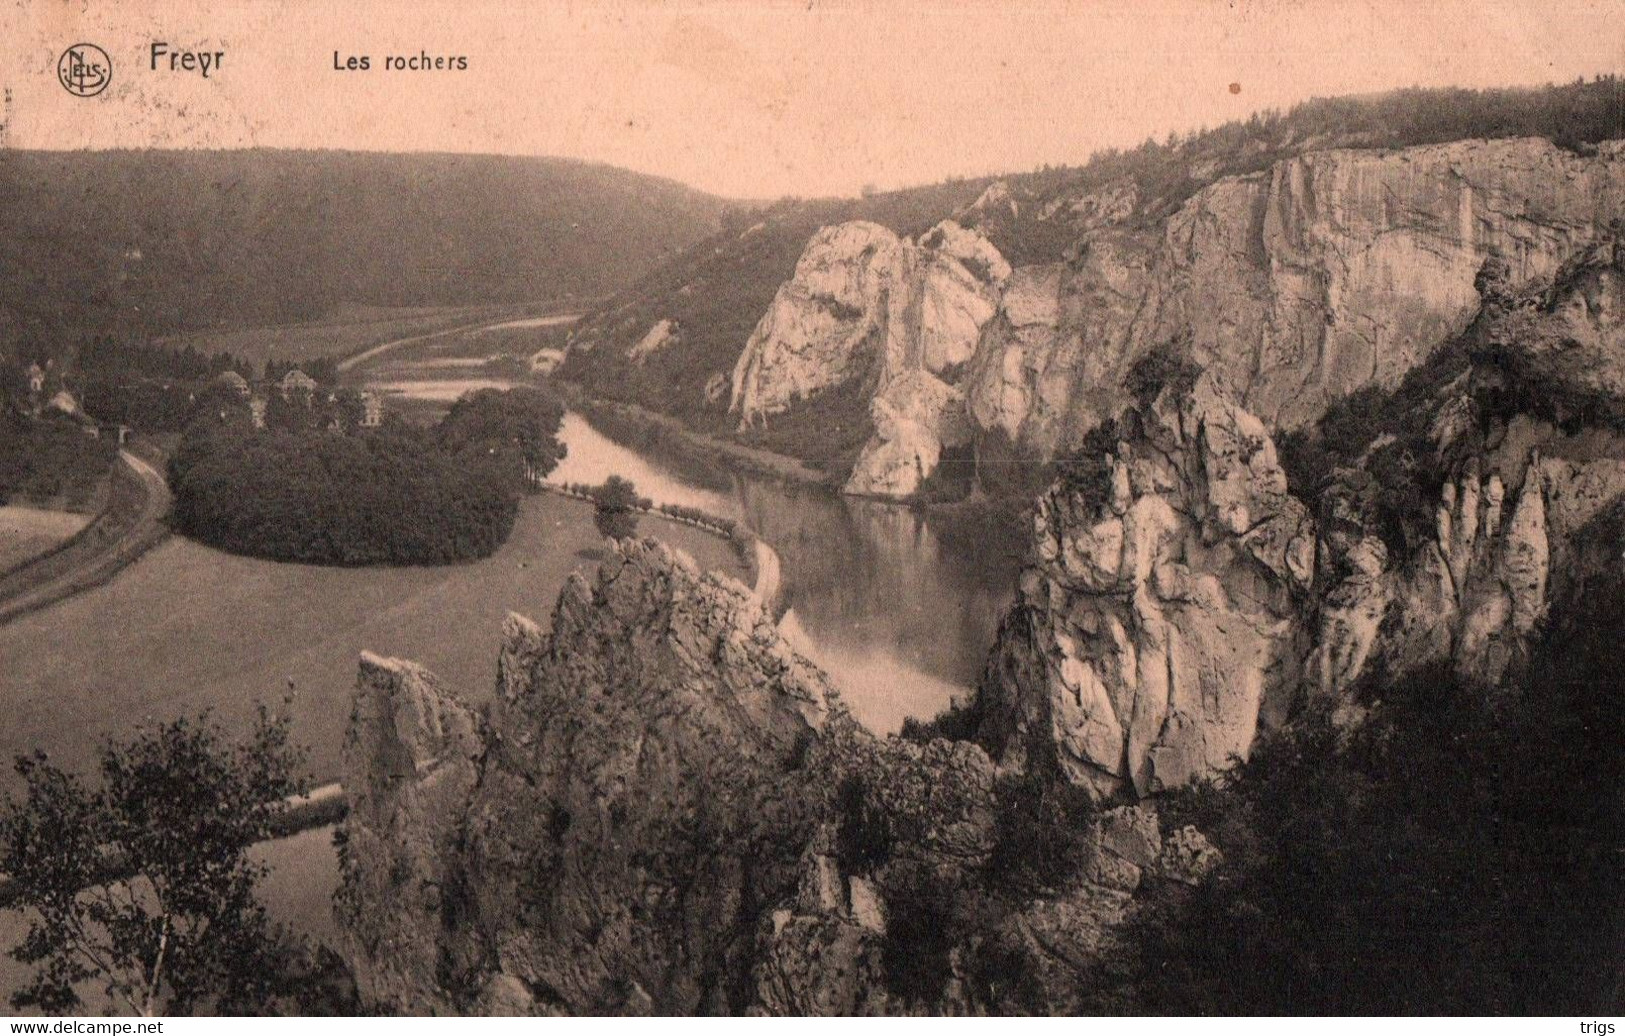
{"x": 1457, "y": 853}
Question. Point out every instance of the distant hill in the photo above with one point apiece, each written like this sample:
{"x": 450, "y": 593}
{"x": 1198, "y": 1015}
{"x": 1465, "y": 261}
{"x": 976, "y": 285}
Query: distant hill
{"x": 150, "y": 242}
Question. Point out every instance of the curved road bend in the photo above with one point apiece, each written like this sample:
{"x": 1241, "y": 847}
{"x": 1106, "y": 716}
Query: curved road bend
{"x": 91, "y": 561}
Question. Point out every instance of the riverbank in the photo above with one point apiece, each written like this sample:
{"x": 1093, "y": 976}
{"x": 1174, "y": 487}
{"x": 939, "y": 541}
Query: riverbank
{"x": 634, "y": 423}
{"x": 656, "y": 433}
{"x": 760, "y": 560}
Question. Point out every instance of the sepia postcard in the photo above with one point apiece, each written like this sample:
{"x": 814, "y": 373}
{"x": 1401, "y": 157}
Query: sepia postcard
{"x": 902, "y": 508}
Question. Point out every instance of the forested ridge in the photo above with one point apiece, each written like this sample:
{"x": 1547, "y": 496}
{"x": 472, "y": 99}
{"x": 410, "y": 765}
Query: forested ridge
{"x": 141, "y": 243}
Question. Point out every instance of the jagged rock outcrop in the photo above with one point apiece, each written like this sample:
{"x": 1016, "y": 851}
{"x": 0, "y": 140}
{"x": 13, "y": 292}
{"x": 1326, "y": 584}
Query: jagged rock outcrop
{"x": 1566, "y": 342}
{"x": 1327, "y": 272}
{"x": 1474, "y": 591}
{"x": 1330, "y": 271}
{"x": 665, "y": 810}
{"x": 1159, "y": 617}
{"x": 1051, "y": 364}
{"x": 864, "y": 303}
{"x": 826, "y": 322}
{"x": 903, "y": 820}
{"x": 412, "y": 758}
{"x": 635, "y": 799}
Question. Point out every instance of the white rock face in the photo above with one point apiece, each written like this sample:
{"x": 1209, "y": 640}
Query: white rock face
{"x": 662, "y": 334}
{"x": 865, "y": 303}
{"x": 914, "y": 419}
{"x": 1474, "y": 592}
{"x": 1327, "y": 272}
{"x": 825, "y": 323}
{"x": 1157, "y": 623}
{"x": 952, "y": 288}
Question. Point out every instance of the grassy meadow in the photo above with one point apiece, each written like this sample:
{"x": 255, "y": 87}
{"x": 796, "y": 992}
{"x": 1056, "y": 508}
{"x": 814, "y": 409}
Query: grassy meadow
{"x": 26, "y": 532}
{"x": 188, "y": 628}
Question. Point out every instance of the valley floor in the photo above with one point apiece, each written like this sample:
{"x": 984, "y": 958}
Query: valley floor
{"x": 27, "y": 532}
{"x": 188, "y": 628}
{"x": 130, "y": 525}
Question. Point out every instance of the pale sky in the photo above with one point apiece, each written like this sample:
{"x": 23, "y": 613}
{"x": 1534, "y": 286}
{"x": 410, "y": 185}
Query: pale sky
{"x": 756, "y": 99}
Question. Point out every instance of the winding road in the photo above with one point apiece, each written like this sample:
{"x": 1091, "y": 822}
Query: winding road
{"x": 384, "y": 347}
{"x": 132, "y": 524}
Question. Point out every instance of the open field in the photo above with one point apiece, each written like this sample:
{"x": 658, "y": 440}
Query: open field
{"x": 346, "y": 331}
{"x": 187, "y": 628}
{"x": 26, "y": 532}
{"x": 131, "y": 524}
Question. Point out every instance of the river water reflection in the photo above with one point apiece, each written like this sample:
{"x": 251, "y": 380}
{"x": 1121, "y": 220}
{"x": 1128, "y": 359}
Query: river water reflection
{"x": 899, "y": 608}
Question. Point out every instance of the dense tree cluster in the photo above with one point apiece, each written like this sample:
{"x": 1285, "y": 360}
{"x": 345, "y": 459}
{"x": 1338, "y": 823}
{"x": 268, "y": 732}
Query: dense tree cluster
{"x": 524, "y": 420}
{"x": 142, "y": 883}
{"x": 50, "y": 460}
{"x": 108, "y": 356}
{"x": 154, "y": 388}
{"x": 394, "y": 495}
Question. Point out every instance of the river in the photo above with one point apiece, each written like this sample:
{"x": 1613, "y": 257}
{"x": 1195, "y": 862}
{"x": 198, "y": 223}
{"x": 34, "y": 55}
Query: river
{"x": 898, "y": 607}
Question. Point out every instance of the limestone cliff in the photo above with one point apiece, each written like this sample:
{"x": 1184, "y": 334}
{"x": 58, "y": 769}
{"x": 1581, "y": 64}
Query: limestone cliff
{"x": 605, "y": 840}
{"x": 1178, "y": 598}
{"x": 1531, "y": 444}
{"x": 1329, "y": 271}
{"x": 864, "y": 303}
{"x": 1159, "y": 616}
{"x": 665, "y": 810}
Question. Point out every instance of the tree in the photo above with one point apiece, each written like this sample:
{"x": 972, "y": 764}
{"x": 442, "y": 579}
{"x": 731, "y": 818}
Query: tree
{"x": 618, "y": 505}
{"x": 526, "y": 420}
{"x": 144, "y": 882}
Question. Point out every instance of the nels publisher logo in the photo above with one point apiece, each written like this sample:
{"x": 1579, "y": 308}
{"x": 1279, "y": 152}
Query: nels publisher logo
{"x": 84, "y": 70}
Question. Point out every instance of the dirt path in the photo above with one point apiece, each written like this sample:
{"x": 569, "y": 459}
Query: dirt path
{"x": 132, "y": 523}
{"x": 384, "y": 347}
{"x": 768, "y": 579}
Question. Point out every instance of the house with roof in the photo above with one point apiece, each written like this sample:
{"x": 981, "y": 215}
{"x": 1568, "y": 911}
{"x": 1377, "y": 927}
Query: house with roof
{"x": 64, "y": 403}
{"x": 235, "y": 382}
{"x": 63, "y": 406}
{"x": 372, "y": 414}
{"x": 296, "y": 380}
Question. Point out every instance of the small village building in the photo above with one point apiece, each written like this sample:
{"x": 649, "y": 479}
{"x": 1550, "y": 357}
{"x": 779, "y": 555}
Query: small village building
{"x": 119, "y": 432}
{"x": 64, "y": 403}
{"x": 372, "y": 413}
{"x": 36, "y": 379}
{"x": 297, "y": 380}
{"x": 235, "y": 382}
